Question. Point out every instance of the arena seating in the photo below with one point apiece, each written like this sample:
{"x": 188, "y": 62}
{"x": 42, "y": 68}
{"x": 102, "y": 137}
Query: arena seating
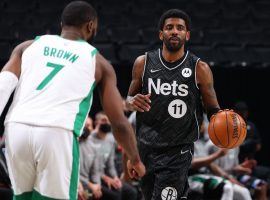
{"x": 224, "y": 32}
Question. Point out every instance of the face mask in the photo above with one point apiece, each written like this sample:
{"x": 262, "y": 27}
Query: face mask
{"x": 85, "y": 134}
{"x": 105, "y": 128}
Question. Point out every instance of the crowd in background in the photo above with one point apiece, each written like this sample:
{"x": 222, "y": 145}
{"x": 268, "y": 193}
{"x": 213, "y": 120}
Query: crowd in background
{"x": 214, "y": 174}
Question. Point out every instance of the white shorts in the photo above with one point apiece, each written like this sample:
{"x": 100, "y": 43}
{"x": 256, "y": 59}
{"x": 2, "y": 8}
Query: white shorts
{"x": 42, "y": 162}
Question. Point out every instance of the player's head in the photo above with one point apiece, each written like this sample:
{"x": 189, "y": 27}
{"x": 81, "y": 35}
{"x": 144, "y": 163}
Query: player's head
{"x": 174, "y": 29}
{"x": 80, "y": 15}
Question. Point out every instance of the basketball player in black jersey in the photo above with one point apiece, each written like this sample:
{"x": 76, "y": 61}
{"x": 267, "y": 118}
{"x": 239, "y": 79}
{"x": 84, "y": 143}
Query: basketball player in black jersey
{"x": 167, "y": 87}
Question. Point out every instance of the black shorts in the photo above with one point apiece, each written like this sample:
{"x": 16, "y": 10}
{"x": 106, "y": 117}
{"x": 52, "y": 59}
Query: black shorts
{"x": 166, "y": 171}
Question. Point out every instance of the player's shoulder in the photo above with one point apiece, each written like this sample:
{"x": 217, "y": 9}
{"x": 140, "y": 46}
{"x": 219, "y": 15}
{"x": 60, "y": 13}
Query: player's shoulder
{"x": 140, "y": 60}
{"x": 203, "y": 66}
{"x": 101, "y": 60}
{"x": 103, "y": 68}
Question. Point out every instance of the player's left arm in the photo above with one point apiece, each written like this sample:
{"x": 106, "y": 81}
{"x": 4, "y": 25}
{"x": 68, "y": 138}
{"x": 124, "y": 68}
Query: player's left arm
{"x": 205, "y": 83}
{"x": 112, "y": 104}
{"x": 10, "y": 74}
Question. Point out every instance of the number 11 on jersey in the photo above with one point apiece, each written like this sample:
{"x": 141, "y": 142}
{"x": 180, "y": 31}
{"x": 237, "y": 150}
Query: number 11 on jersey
{"x": 47, "y": 79}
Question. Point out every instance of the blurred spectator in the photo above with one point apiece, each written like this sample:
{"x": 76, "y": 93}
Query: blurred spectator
{"x": 105, "y": 149}
{"x": 5, "y": 185}
{"x": 90, "y": 182}
{"x": 239, "y": 173}
{"x": 99, "y": 119}
{"x": 88, "y": 128}
{"x": 252, "y": 143}
{"x": 89, "y": 124}
{"x": 203, "y": 182}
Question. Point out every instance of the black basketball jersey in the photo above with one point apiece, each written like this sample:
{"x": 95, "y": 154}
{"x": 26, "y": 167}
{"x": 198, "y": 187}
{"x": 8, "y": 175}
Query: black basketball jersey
{"x": 175, "y": 99}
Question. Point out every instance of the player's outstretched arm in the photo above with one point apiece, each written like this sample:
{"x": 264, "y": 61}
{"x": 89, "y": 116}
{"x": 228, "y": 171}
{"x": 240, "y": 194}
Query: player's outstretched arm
{"x": 136, "y": 100}
{"x": 205, "y": 83}
{"x": 10, "y": 74}
{"x": 112, "y": 104}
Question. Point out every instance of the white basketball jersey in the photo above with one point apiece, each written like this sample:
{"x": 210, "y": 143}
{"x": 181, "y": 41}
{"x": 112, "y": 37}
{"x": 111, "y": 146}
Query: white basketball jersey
{"x": 56, "y": 84}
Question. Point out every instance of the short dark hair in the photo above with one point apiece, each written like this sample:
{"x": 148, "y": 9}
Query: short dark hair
{"x": 76, "y": 13}
{"x": 174, "y": 13}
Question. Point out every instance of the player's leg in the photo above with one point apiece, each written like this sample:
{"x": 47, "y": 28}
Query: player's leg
{"x": 129, "y": 192}
{"x": 147, "y": 181}
{"x": 20, "y": 161}
{"x": 57, "y": 157}
{"x": 147, "y": 185}
{"x": 109, "y": 193}
{"x": 171, "y": 173}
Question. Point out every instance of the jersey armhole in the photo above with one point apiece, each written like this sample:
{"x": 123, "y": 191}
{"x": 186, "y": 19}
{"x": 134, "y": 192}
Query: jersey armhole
{"x": 196, "y": 83}
{"x": 94, "y": 52}
{"x": 37, "y": 38}
{"x": 144, "y": 67}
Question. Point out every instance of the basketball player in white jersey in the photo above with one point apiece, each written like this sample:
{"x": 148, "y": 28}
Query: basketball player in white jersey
{"x": 54, "y": 77}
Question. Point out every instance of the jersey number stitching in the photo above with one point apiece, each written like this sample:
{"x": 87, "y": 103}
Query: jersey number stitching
{"x": 56, "y": 69}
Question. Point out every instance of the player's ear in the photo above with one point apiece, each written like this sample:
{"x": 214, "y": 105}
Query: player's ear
{"x": 188, "y": 36}
{"x": 161, "y": 35}
{"x": 90, "y": 26}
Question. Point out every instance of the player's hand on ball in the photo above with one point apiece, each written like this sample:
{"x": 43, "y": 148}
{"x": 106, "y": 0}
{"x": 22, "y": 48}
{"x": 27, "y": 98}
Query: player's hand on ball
{"x": 136, "y": 170}
{"x": 140, "y": 102}
{"x": 227, "y": 129}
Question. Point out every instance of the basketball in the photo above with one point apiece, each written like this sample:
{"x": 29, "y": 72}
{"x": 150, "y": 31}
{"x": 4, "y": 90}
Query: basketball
{"x": 227, "y": 129}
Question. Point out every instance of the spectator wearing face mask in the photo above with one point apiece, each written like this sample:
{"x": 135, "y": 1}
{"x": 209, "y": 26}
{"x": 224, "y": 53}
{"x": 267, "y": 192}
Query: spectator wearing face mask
{"x": 104, "y": 144}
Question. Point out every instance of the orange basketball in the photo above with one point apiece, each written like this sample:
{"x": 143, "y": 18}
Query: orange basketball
{"x": 227, "y": 129}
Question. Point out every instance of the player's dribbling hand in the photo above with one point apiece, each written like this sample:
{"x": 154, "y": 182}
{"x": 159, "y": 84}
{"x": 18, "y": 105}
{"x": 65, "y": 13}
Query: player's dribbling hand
{"x": 140, "y": 102}
{"x": 136, "y": 170}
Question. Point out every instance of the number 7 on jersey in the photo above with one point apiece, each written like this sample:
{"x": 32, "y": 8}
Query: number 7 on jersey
{"x": 56, "y": 69}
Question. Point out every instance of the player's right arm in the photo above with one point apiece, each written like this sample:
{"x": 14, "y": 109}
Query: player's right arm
{"x": 10, "y": 74}
{"x": 111, "y": 101}
{"x": 135, "y": 100}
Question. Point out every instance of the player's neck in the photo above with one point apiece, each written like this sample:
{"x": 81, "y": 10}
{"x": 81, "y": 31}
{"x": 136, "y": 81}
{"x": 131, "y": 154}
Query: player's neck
{"x": 71, "y": 33}
{"x": 172, "y": 56}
